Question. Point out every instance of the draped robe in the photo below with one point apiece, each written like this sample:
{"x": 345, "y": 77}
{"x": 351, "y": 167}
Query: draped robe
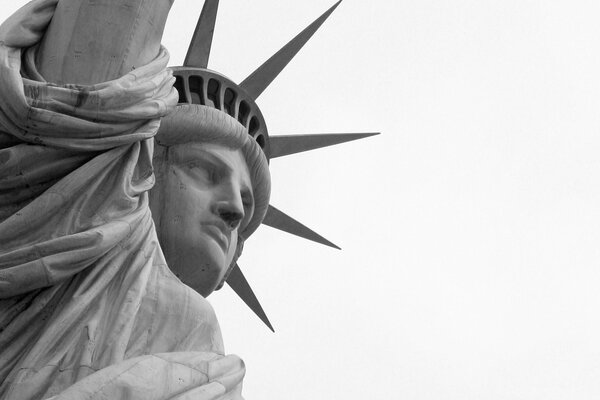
{"x": 88, "y": 307}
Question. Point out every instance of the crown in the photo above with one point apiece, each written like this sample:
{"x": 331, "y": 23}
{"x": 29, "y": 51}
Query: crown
{"x": 197, "y": 84}
{"x": 209, "y": 88}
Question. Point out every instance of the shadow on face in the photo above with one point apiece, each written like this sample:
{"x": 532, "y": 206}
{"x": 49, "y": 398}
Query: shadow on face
{"x": 202, "y": 199}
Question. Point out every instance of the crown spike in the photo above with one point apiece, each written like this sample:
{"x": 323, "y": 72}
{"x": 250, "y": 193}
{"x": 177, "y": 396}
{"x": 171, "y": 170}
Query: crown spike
{"x": 199, "y": 50}
{"x": 279, "y": 220}
{"x": 237, "y": 281}
{"x": 260, "y": 79}
{"x": 284, "y": 145}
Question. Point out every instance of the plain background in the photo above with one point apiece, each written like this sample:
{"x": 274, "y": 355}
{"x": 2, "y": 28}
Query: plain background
{"x": 470, "y": 228}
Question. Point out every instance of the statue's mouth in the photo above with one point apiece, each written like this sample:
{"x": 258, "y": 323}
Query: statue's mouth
{"x": 219, "y": 231}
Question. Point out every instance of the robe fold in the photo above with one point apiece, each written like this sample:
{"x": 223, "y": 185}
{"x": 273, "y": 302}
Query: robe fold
{"x": 88, "y": 307}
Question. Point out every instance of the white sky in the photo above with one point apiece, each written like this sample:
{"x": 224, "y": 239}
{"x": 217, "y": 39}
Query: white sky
{"x": 470, "y": 229}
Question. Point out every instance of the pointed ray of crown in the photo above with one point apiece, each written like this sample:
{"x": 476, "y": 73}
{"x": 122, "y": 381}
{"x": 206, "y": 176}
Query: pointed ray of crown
{"x": 198, "y": 85}
{"x": 237, "y": 281}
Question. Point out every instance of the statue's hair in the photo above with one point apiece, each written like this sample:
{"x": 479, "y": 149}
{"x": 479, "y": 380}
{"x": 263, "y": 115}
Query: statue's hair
{"x": 194, "y": 123}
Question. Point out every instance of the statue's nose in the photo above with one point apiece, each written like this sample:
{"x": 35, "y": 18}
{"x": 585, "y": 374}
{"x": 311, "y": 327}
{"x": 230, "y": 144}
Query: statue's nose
{"x": 230, "y": 208}
{"x": 231, "y": 218}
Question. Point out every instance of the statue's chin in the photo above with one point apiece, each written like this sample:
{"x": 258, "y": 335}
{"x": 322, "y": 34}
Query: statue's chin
{"x": 201, "y": 269}
{"x": 205, "y": 291}
{"x": 204, "y": 283}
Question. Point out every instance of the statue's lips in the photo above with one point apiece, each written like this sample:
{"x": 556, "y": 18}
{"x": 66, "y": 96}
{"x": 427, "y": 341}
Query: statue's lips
{"x": 218, "y": 230}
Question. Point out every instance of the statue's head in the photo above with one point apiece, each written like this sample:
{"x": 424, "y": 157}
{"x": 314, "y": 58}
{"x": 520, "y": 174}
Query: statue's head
{"x": 212, "y": 191}
{"x": 211, "y": 160}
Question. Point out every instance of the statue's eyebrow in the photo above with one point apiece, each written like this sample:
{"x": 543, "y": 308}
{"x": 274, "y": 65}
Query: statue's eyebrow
{"x": 208, "y": 157}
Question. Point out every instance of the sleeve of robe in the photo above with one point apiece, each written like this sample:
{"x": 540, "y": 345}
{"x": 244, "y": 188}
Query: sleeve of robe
{"x": 88, "y": 307}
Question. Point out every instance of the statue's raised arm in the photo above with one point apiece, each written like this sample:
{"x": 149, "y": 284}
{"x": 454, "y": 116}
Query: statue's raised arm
{"x": 89, "y": 41}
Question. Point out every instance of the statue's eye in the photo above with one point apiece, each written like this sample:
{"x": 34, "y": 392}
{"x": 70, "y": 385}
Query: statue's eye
{"x": 248, "y": 203}
{"x": 203, "y": 171}
{"x": 213, "y": 175}
{"x": 247, "y": 199}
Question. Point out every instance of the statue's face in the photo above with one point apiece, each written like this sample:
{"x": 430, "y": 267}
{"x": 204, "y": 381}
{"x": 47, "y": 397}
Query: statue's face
{"x": 207, "y": 200}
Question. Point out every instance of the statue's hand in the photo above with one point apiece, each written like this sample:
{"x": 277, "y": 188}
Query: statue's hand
{"x": 166, "y": 376}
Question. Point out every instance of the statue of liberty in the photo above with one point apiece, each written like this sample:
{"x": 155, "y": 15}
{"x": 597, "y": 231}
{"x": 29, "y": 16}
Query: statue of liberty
{"x": 115, "y": 225}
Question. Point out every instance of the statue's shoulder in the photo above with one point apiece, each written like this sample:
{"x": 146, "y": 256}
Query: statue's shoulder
{"x": 173, "y": 317}
{"x": 183, "y": 299}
